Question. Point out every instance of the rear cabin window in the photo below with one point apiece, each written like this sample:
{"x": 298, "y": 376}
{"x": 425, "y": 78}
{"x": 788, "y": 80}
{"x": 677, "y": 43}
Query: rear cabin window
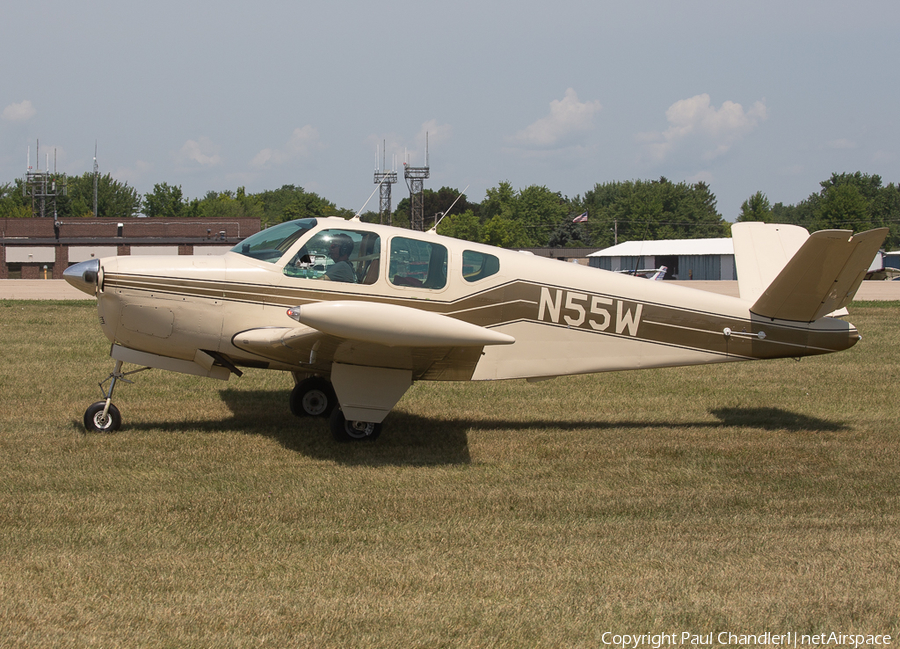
{"x": 338, "y": 255}
{"x": 417, "y": 263}
{"x": 477, "y": 265}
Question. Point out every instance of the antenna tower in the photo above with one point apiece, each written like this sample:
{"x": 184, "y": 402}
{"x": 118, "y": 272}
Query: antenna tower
{"x": 415, "y": 180}
{"x": 42, "y": 185}
{"x": 384, "y": 179}
{"x": 96, "y": 175}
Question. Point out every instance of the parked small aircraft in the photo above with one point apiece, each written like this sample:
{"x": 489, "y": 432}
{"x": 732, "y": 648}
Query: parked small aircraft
{"x": 357, "y": 312}
{"x": 654, "y": 274}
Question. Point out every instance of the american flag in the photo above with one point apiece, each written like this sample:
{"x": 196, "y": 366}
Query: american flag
{"x": 581, "y": 218}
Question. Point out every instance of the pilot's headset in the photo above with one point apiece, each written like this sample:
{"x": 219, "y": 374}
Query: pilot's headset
{"x": 345, "y": 244}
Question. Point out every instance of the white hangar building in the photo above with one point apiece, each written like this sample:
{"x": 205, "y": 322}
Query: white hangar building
{"x": 685, "y": 259}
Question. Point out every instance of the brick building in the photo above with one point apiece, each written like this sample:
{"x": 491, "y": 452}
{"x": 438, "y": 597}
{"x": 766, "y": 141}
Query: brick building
{"x": 39, "y": 248}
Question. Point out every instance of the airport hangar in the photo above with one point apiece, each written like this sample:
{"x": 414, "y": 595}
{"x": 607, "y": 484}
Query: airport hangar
{"x": 685, "y": 259}
{"x": 42, "y": 248}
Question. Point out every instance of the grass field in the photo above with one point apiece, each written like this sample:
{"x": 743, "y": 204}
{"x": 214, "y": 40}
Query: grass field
{"x": 743, "y": 498}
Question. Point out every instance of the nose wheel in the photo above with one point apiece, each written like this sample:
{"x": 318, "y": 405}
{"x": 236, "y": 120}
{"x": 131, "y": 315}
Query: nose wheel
{"x": 103, "y": 416}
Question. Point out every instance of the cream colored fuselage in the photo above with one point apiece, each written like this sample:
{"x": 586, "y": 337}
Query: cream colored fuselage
{"x": 564, "y": 318}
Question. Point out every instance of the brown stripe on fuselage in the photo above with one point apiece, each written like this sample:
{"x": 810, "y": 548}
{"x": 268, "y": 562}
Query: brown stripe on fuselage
{"x": 554, "y": 306}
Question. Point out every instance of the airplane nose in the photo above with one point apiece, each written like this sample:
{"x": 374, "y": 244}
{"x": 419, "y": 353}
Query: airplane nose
{"x": 83, "y": 275}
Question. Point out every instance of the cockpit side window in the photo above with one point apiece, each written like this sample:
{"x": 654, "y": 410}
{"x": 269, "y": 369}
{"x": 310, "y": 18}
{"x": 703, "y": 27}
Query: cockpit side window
{"x": 417, "y": 263}
{"x": 338, "y": 255}
{"x": 478, "y": 265}
{"x": 271, "y": 244}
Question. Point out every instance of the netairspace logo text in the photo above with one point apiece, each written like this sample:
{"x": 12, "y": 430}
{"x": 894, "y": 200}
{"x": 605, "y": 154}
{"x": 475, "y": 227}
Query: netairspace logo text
{"x": 727, "y": 638}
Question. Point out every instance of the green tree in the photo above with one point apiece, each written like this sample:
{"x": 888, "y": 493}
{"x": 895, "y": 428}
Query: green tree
{"x": 291, "y": 202}
{"x": 656, "y": 209}
{"x": 165, "y": 201}
{"x": 115, "y": 200}
{"x": 438, "y": 202}
{"x": 534, "y": 213}
{"x": 466, "y": 226}
{"x": 12, "y": 201}
{"x": 229, "y": 205}
{"x": 498, "y": 200}
{"x": 854, "y": 201}
{"x": 505, "y": 232}
{"x": 843, "y": 206}
{"x": 756, "y": 208}
{"x": 541, "y": 211}
{"x": 569, "y": 235}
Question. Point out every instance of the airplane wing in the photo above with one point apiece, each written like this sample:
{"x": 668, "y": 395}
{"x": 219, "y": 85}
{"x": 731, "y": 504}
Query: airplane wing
{"x": 373, "y": 351}
{"x": 430, "y": 345}
{"x": 310, "y": 350}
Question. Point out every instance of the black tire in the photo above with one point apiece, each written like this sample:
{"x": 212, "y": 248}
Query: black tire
{"x": 352, "y": 431}
{"x": 94, "y": 422}
{"x": 313, "y": 397}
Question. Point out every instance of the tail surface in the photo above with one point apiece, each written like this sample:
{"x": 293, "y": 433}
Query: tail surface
{"x": 819, "y": 275}
{"x": 761, "y": 251}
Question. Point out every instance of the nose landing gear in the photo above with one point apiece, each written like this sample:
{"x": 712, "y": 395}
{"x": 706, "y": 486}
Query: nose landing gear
{"x": 103, "y": 416}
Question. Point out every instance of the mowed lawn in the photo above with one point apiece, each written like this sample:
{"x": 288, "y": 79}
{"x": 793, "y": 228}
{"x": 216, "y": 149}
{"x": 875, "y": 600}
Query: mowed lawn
{"x": 744, "y": 497}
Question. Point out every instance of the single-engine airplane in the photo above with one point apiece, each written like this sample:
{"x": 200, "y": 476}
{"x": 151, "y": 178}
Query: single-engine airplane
{"x": 653, "y": 274}
{"x": 357, "y": 312}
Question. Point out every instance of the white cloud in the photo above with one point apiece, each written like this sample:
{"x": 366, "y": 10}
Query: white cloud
{"x": 394, "y": 149}
{"x": 135, "y": 174}
{"x": 695, "y": 120}
{"x": 568, "y": 117}
{"x": 201, "y": 151}
{"x": 19, "y": 112}
{"x": 702, "y": 177}
{"x": 437, "y": 133}
{"x": 302, "y": 142}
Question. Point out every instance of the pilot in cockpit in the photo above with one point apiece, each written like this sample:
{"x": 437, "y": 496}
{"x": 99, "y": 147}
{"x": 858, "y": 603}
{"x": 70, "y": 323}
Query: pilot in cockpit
{"x": 314, "y": 265}
{"x": 339, "y": 250}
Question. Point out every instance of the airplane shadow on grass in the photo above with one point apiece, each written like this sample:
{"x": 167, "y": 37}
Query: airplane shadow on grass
{"x": 414, "y": 440}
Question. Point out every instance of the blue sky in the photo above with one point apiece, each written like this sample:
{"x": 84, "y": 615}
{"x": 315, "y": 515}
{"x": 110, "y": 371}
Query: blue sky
{"x": 747, "y": 96}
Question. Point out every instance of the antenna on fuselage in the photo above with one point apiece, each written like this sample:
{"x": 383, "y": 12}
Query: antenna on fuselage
{"x": 356, "y": 216}
{"x": 438, "y": 221}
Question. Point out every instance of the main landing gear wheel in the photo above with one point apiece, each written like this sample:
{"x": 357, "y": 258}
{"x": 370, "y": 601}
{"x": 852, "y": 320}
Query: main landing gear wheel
{"x": 313, "y": 397}
{"x": 352, "y": 431}
{"x": 96, "y": 422}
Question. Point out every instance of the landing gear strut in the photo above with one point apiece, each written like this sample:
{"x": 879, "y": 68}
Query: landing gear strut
{"x": 103, "y": 416}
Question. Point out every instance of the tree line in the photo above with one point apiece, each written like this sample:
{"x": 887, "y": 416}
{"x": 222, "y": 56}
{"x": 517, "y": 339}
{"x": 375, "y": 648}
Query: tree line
{"x": 531, "y": 217}
{"x": 848, "y": 201}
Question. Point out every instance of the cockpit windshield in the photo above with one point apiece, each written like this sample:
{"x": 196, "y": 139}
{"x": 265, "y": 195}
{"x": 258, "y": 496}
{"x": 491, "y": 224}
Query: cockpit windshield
{"x": 271, "y": 244}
